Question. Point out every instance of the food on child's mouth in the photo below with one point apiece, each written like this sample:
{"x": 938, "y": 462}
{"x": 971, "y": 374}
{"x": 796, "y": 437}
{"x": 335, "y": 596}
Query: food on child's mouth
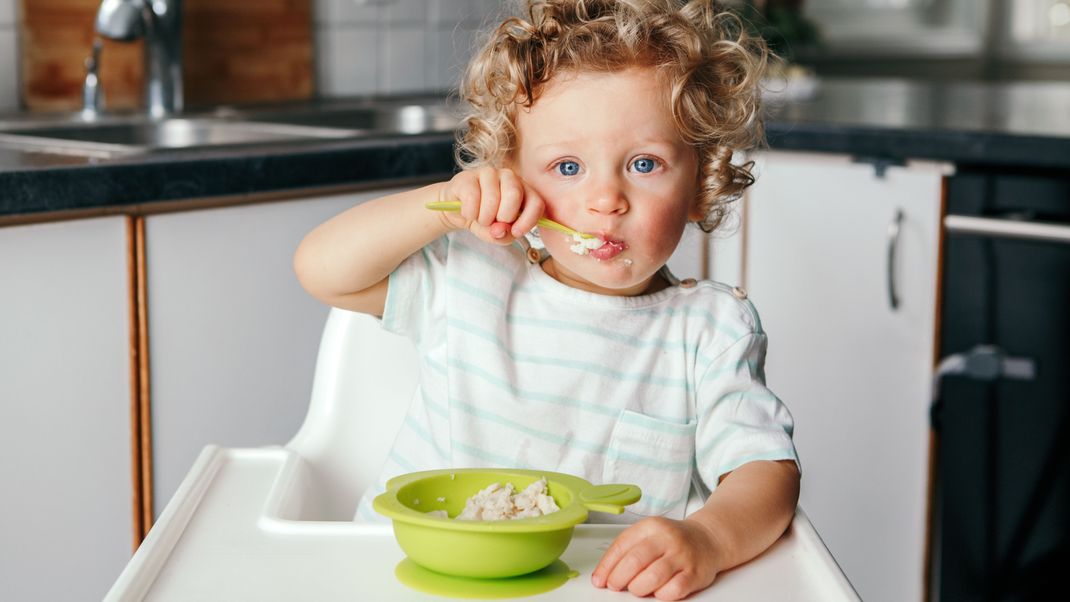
{"x": 583, "y": 246}
{"x": 609, "y": 250}
{"x": 502, "y": 502}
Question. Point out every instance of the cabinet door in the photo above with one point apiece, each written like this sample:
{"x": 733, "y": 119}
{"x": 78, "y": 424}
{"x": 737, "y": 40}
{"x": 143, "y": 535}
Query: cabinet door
{"x": 66, "y": 525}
{"x": 854, "y": 372}
{"x": 232, "y": 335}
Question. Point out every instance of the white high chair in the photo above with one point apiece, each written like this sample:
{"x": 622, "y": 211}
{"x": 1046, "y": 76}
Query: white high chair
{"x": 274, "y": 523}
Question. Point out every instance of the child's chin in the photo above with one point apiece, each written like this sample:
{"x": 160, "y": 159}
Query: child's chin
{"x": 616, "y": 278}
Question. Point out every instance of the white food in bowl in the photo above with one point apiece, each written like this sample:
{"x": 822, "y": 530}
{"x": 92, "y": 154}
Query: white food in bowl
{"x": 502, "y": 502}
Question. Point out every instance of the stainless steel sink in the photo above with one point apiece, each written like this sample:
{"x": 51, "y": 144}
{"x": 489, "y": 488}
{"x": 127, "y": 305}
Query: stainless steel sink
{"x": 118, "y": 135}
{"x": 152, "y": 136}
{"x": 391, "y": 119}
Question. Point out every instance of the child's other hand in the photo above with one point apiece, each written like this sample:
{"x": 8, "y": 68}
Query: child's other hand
{"x": 496, "y": 206}
{"x": 667, "y": 558}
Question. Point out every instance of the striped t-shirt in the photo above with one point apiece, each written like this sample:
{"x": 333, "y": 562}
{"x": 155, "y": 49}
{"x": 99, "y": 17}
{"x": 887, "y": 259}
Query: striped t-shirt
{"x": 665, "y": 391}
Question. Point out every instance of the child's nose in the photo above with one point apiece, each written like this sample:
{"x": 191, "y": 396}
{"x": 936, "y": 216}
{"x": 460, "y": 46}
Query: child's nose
{"x": 607, "y": 196}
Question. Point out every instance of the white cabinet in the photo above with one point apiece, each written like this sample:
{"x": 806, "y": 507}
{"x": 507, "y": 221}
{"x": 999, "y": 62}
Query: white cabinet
{"x": 855, "y": 372}
{"x": 65, "y": 474}
{"x": 233, "y": 336}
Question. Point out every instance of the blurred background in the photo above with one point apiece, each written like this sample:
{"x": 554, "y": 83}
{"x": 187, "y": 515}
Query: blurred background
{"x": 283, "y": 49}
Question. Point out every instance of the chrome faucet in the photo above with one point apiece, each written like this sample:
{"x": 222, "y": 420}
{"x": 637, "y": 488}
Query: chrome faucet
{"x": 159, "y": 22}
{"x": 92, "y": 97}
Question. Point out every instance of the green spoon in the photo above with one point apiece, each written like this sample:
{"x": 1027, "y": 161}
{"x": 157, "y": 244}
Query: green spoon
{"x": 543, "y": 222}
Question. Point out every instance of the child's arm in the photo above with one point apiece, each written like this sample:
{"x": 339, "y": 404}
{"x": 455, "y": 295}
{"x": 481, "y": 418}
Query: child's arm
{"x": 346, "y": 261}
{"x": 671, "y": 559}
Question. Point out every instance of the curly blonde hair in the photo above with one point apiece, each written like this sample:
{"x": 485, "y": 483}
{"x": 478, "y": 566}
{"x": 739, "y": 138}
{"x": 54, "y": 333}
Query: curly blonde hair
{"x": 705, "y": 54}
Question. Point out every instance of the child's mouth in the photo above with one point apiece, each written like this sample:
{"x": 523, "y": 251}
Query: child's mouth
{"x": 609, "y": 249}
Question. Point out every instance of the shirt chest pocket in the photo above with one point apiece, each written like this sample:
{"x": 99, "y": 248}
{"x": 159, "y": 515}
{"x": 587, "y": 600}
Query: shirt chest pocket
{"x": 657, "y": 455}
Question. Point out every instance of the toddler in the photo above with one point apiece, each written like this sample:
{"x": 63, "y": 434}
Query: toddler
{"x": 617, "y": 118}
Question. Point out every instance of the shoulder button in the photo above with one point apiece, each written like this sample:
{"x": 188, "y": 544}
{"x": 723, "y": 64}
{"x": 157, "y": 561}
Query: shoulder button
{"x": 688, "y": 282}
{"x": 533, "y": 255}
{"x": 739, "y": 293}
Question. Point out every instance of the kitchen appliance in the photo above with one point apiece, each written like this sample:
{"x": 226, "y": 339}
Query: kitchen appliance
{"x": 1002, "y": 399}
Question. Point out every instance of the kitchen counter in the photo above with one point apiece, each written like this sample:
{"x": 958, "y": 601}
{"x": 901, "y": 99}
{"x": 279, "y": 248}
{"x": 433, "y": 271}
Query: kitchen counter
{"x": 999, "y": 124}
{"x": 1008, "y": 124}
{"x": 33, "y": 184}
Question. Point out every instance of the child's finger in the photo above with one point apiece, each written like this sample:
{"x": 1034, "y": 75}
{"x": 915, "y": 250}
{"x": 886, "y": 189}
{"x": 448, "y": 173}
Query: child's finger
{"x": 512, "y": 194}
{"x": 653, "y": 577}
{"x": 530, "y": 213}
{"x": 621, "y": 547}
{"x": 499, "y": 231}
{"x": 489, "y": 195}
{"x": 678, "y": 588}
{"x": 634, "y": 562}
{"x": 465, "y": 188}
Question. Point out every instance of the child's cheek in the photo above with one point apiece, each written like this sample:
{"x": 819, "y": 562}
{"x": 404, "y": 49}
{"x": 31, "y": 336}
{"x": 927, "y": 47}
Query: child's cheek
{"x": 662, "y": 233}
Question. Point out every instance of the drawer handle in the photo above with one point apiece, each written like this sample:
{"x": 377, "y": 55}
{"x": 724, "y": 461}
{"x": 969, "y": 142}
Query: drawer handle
{"x": 894, "y": 228}
{"x": 1007, "y": 228}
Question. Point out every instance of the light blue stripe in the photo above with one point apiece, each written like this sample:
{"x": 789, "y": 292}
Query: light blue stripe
{"x": 518, "y": 393}
{"x": 476, "y": 292}
{"x": 435, "y": 406}
{"x": 728, "y": 430}
{"x": 762, "y": 394}
{"x": 674, "y": 428}
{"x": 426, "y": 436}
{"x": 780, "y": 454}
{"x": 648, "y": 462}
{"x": 575, "y": 327}
{"x": 572, "y": 443}
{"x": 400, "y": 461}
{"x": 437, "y": 367}
{"x": 632, "y": 341}
{"x": 733, "y": 369}
{"x": 688, "y": 312}
{"x": 486, "y": 456}
{"x": 485, "y": 259}
{"x": 527, "y": 395}
{"x": 678, "y": 383}
{"x": 661, "y": 503}
{"x": 366, "y": 511}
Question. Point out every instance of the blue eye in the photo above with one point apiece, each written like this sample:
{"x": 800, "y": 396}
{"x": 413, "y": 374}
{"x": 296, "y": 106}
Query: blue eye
{"x": 644, "y": 165}
{"x": 568, "y": 168}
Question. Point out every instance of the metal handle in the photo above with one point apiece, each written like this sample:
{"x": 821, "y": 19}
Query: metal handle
{"x": 893, "y": 244}
{"x": 984, "y": 362}
{"x": 1005, "y": 228}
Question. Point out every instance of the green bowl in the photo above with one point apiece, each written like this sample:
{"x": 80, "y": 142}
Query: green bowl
{"x": 490, "y": 549}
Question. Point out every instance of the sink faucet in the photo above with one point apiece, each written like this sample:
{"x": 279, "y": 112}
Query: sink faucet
{"x": 159, "y": 22}
{"x": 91, "y": 95}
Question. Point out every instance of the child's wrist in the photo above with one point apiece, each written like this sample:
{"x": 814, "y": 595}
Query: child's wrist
{"x": 448, "y": 220}
{"x": 713, "y": 539}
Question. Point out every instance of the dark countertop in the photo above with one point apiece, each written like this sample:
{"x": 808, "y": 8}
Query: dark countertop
{"x": 1007, "y": 124}
{"x": 55, "y": 183}
{"x": 1020, "y": 125}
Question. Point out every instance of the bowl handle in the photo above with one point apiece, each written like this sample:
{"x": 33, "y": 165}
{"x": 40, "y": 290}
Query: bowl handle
{"x": 611, "y": 498}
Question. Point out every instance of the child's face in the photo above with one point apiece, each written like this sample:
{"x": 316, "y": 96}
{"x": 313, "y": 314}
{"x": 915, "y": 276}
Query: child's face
{"x": 602, "y": 151}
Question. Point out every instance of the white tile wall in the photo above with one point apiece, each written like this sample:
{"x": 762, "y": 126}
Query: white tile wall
{"x": 395, "y": 46}
{"x": 362, "y": 46}
{"x": 9, "y": 82}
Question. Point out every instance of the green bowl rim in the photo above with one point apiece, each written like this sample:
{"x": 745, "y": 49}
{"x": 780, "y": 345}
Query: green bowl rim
{"x": 573, "y": 514}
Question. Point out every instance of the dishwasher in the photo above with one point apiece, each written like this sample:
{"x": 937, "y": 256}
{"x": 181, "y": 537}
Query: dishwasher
{"x": 1001, "y": 410}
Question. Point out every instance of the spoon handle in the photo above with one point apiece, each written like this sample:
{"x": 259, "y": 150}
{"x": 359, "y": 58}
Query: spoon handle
{"x": 543, "y": 222}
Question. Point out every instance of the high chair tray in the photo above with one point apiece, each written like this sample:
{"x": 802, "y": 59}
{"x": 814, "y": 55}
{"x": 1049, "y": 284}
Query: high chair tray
{"x": 224, "y": 536}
